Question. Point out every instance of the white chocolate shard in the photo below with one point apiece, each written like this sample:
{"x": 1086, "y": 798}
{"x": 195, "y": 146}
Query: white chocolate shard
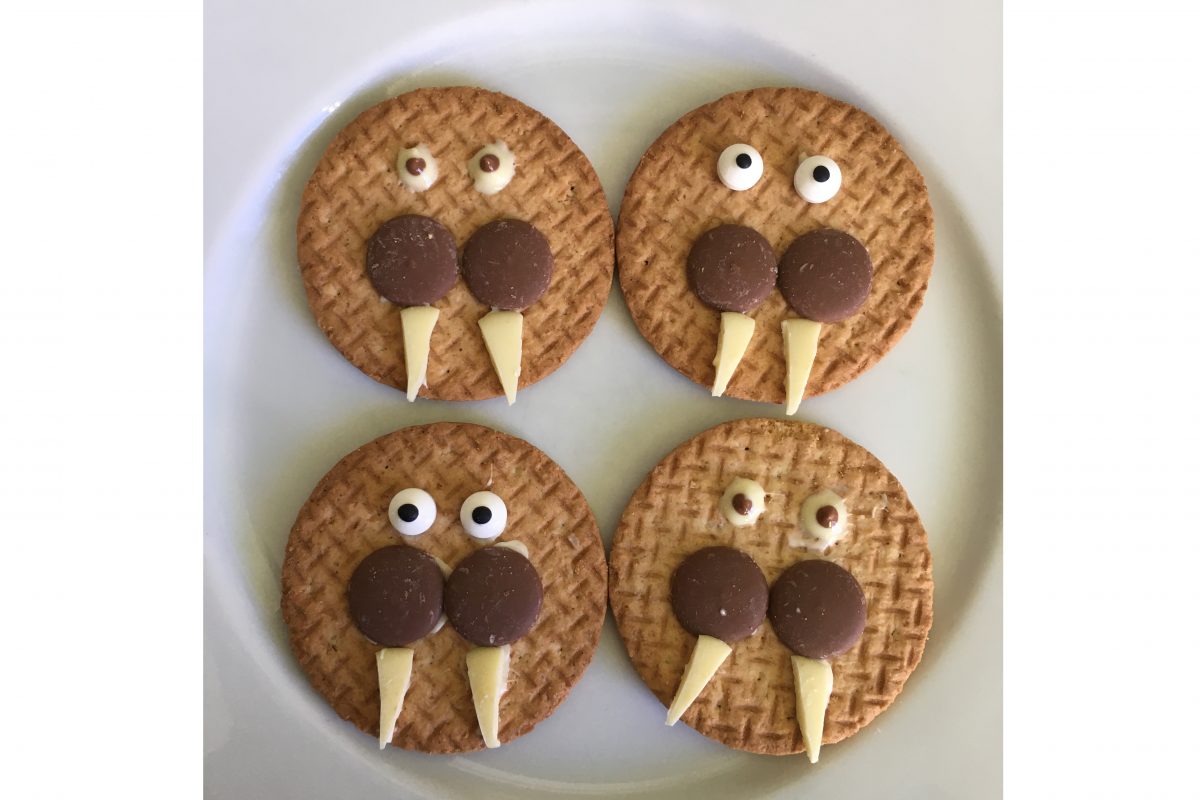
{"x": 487, "y": 671}
{"x": 417, "y": 326}
{"x": 800, "y": 337}
{"x": 707, "y": 658}
{"x": 395, "y": 672}
{"x": 442, "y": 619}
{"x": 736, "y": 332}
{"x": 502, "y": 336}
{"x": 814, "y": 685}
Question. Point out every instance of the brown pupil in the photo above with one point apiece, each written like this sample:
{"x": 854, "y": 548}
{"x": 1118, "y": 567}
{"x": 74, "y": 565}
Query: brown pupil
{"x": 489, "y": 163}
{"x": 742, "y": 504}
{"x": 415, "y": 166}
{"x": 827, "y": 516}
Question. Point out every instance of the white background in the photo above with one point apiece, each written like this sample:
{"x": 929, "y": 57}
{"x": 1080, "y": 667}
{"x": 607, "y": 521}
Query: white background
{"x": 100, "y": 489}
{"x": 282, "y": 405}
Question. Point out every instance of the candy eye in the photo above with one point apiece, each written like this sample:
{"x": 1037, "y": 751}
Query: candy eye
{"x": 492, "y": 167}
{"x": 739, "y": 167}
{"x": 818, "y": 179}
{"x": 823, "y": 516}
{"x": 412, "y": 511}
{"x": 743, "y": 502}
{"x": 417, "y": 168}
{"x": 484, "y": 515}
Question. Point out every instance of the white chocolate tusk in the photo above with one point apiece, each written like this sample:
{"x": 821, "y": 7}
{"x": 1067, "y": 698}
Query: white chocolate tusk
{"x": 736, "y": 332}
{"x": 394, "y": 665}
{"x": 814, "y": 685}
{"x": 416, "y": 323}
{"x": 800, "y": 337}
{"x": 708, "y": 656}
{"x": 442, "y": 619}
{"x": 487, "y": 671}
{"x": 502, "y": 336}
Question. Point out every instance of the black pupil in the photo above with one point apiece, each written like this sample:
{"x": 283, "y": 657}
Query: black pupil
{"x": 821, "y": 173}
{"x": 744, "y": 161}
{"x": 482, "y": 515}
{"x": 407, "y": 512}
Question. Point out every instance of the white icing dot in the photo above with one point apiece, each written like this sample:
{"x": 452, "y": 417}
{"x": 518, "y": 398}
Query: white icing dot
{"x": 491, "y": 182}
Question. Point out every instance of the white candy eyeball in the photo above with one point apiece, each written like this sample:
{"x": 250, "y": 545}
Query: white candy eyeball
{"x": 818, "y": 178}
{"x": 484, "y": 515}
{"x": 743, "y": 502}
{"x": 412, "y": 511}
{"x": 417, "y": 168}
{"x": 739, "y": 167}
{"x": 823, "y": 516}
{"x": 492, "y": 167}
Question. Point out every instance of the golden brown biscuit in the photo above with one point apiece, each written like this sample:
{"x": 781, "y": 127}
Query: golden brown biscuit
{"x": 346, "y": 518}
{"x": 355, "y": 188}
{"x": 675, "y": 195}
{"x": 750, "y": 703}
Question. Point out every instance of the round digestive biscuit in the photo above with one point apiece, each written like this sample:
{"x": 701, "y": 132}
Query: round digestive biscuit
{"x": 675, "y": 195}
{"x": 355, "y": 188}
{"x": 345, "y": 519}
{"x": 750, "y": 704}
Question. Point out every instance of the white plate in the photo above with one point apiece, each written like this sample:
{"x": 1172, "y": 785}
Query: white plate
{"x": 282, "y": 406}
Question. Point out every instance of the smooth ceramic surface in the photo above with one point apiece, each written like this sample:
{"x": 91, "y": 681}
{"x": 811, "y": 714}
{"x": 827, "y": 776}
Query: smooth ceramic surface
{"x": 282, "y": 406}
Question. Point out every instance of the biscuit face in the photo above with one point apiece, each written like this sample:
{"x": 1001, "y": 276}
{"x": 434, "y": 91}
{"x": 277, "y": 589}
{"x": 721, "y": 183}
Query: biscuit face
{"x": 676, "y": 194}
{"x": 359, "y": 184}
{"x": 678, "y": 510}
{"x": 347, "y": 518}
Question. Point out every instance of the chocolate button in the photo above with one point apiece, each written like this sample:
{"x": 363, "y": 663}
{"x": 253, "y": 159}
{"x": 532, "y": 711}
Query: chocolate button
{"x": 826, "y": 275}
{"x": 732, "y": 268}
{"x": 395, "y": 595}
{"x": 818, "y": 609}
{"x": 412, "y": 260}
{"x": 719, "y": 592}
{"x": 493, "y": 597}
{"x": 507, "y": 264}
{"x": 827, "y": 516}
{"x": 741, "y": 504}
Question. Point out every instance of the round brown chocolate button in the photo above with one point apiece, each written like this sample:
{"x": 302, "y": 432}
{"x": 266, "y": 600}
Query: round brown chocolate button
{"x": 719, "y": 592}
{"x": 507, "y": 264}
{"x": 732, "y": 268}
{"x": 826, "y": 275}
{"x": 818, "y": 609}
{"x": 412, "y": 260}
{"x": 395, "y": 595}
{"x": 493, "y": 597}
